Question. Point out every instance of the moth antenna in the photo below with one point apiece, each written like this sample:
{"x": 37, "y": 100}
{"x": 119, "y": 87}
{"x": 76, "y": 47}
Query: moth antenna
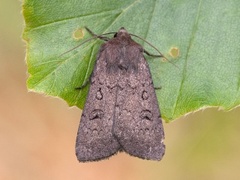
{"x": 77, "y": 46}
{"x": 102, "y": 37}
{"x": 161, "y": 55}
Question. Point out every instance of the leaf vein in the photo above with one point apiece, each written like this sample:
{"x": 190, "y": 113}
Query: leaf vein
{"x": 194, "y": 29}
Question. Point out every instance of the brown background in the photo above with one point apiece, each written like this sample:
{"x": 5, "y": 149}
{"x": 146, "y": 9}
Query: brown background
{"x": 37, "y": 133}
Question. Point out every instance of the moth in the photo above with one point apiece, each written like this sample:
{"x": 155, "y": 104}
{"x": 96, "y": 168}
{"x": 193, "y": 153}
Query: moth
{"x": 121, "y": 112}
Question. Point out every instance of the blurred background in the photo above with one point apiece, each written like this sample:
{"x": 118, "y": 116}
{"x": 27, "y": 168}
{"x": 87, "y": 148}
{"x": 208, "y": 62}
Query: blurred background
{"x": 37, "y": 133}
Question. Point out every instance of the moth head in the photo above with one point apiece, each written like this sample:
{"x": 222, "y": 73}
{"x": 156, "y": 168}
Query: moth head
{"x": 122, "y": 34}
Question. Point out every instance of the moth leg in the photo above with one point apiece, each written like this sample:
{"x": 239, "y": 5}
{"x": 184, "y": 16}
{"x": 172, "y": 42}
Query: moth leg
{"x": 160, "y": 55}
{"x": 157, "y": 87}
{"x": 153, "y": 55}
{"x": 97, "y": 36}
{"x": 85, "y": 83}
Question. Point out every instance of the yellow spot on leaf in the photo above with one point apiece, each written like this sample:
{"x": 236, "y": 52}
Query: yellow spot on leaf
{"x": 174, "y": 52}
{"x": 78, "y": 34}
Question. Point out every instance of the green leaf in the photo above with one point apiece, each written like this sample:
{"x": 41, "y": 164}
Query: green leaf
{"x": 201, "y": 37}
